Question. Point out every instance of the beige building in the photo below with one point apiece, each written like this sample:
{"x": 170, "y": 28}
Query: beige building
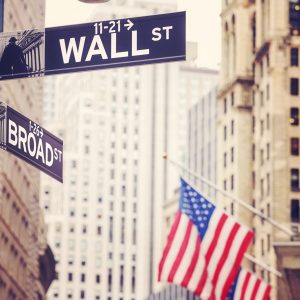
{"x": 21, "y": 234}
{"x": 258, "y": 128}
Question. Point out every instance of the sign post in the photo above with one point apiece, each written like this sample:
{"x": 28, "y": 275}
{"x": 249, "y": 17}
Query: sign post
{"x": 30, "y": 142}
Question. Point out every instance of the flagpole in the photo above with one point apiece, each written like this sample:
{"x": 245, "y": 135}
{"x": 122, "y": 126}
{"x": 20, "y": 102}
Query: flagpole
{"x": 263, "y": 265}
{"x": 247, "y": 256}
{"x": 228, "y": 195}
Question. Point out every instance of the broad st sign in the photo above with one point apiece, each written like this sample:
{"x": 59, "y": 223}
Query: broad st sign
{"x": 30, "y": 142}
{"x": 107, "y": 44}
{"x": 91, "y": 46}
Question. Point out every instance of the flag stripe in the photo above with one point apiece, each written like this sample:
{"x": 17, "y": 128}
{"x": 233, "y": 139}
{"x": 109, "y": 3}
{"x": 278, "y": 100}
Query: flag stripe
{"x": 244, "y": 288}
{"x": 231, "y": 267}
{"x": 192, "y": 266}
{"x": 240, "y": 282}
{"x": 181, "y": 229}
{"x": 220, "y": 248}
{"x": 255, "y": 289}
{"x": 250, "y": 287}
{"x": 188, "y": 255}
{"x": 181, "y": 252}
{"x": 212, "y": 252}
{"x": 170, "y": 241}
{"x": 199, "y": 271}
{"x": 227, "y": 265}
{"x": 225, "y": 252}
{"x": 210, "y": 233}
{"x": 201, "y": 283}
{"x": 267, "y": 293}
{"x": 214, "y": 242}
{"x": 246, "y": 242}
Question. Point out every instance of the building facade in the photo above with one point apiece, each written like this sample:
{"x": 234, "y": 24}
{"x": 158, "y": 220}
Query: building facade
{"x": 258, "y": 128}
{"x": 21, "y": 234}
{"x": 202, "y": 142}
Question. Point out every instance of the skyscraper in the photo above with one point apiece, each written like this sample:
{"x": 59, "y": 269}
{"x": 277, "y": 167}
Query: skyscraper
{"x": 258, "y": 128}
{"x": 106, "y": 223}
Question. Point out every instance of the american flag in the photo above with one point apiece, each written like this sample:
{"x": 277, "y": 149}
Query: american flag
{"x": 247, "y": 286}
{"x": 205, "y": 247}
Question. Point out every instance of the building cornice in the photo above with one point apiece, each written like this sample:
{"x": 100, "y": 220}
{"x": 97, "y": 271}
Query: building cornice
{"x": 242, "y": 80}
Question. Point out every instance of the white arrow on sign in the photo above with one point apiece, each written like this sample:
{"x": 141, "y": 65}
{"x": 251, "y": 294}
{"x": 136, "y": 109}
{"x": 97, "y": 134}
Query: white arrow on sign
{"x": 128, "y": 25}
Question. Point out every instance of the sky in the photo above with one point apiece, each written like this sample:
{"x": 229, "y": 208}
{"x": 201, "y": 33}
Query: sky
{"x": 203, "y": 23}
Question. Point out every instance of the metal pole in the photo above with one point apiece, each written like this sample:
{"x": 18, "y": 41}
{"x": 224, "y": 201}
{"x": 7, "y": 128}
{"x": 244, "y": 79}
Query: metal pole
{"x": 230, "y": 196}
{"x": 263, "y": 265}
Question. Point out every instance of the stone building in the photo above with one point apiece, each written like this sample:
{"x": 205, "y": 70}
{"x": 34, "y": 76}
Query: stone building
{"x": 258, "y": 128}
{"x": 21, "y": 234}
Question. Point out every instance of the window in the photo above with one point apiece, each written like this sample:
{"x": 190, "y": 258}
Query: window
{"x": 295, "y": 57}
{"x": 295, "y": 211}
{"x": 225, "y": 133}
{"x": 225, "y": 156}
{"x": 82, "y": 295}
{"x": 295, "y": 146}
{"x": 261, "y": 156}
{"x": 232, "y": 127}
{"x": 268, "y": 151}
{"x": 122, "y": 230}
{"x": 70, "y": 276}
{"x": 261, "y": 127}
{"x": 110, "y": 229}
{"x": 262, "y": 188}
{"x": 295, "y": 180}
{"x": 225, "y": 105}
{"x": 109, "y": 280}
{"x": 133, "y": 280}
{"x": 268, "y": 121}
{"x": 134, "y": 232}
{"x": 232, "y": 99}
{"x": 232, "y": 182}
{"x": 83, "y": 261}
{"x": 70, "y": 260}
{"x": 268, "y": 184}
{"x": 294, "y": 86}
{"x": 294, "y": 116}
{"x": 121, "y": 279}
{"x": 294, "y": 17}
{"x": 98, "y": 230}
{"x": 97, "y": 278}
{"x": 82, "y": 277}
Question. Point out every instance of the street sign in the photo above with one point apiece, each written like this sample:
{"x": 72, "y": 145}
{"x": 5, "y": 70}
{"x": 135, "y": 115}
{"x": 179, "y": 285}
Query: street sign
{"x": 115, "y": 43}
{"x": 30, "y": 142}
{"x": 91, "y": 46}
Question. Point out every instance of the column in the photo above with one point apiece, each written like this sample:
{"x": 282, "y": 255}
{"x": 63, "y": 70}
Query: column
{"x": 31, "y": 59}
{"x": 35, "y": 59}
{"x": 39, "y": 56}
